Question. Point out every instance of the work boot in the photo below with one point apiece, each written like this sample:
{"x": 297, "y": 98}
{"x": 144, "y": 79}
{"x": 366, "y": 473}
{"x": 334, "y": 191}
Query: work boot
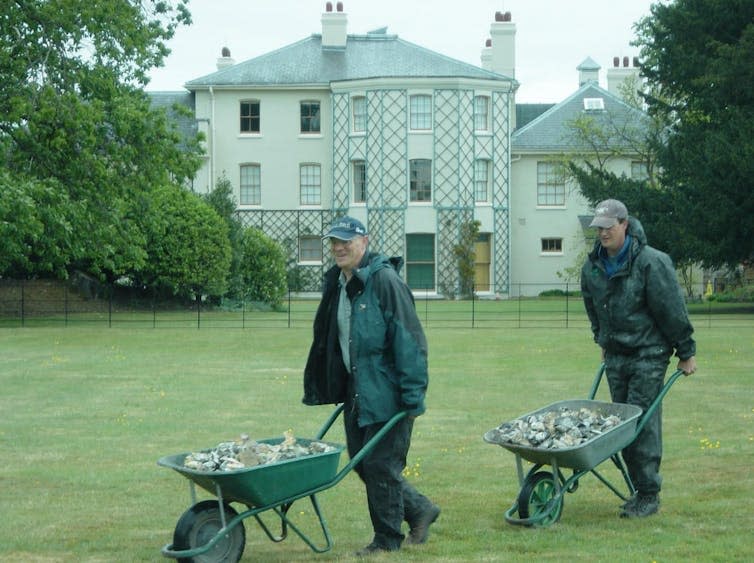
{"x": 372, "y": 549}
{"x": 420, "y": 529}
{"x": 645, "y": 505}
{"x": 631, "y": 502}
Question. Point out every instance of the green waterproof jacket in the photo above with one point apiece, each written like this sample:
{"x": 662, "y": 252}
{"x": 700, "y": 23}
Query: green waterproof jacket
{"x": 388, "y": 349}
{"x": 640, "y": 309}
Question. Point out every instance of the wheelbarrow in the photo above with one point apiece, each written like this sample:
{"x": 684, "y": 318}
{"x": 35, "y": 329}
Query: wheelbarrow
{"x": 541, "y": 496}
{"x": 213, "y": 530}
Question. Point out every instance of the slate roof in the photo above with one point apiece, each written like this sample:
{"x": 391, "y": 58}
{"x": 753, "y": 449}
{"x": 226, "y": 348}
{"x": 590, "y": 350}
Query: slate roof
{"x": 529, "y": 112}
{"x": 373, "y": 55}
{"x": 549, "y": 132}
{"x": 187, "y": 126}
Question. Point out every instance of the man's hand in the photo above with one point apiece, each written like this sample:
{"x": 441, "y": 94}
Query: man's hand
{"x": 687, "y": 366}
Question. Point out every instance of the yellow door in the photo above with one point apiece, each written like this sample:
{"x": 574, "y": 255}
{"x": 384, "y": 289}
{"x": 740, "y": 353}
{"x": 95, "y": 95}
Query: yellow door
{"x": 482, "y": 263}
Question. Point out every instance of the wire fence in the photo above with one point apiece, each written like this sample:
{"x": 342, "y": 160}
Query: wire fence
{"x": 30, "y": 304}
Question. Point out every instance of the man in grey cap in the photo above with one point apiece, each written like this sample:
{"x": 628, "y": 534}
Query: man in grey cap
{"x": 638, "y": 317}
{"x": 369, "y": 352}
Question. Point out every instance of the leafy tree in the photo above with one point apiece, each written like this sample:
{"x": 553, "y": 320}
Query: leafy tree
{"x": 263, "y": 268}
{"x": 466, "y": 256}
{"x": 222, "y": 200}
{"x": 35, "y": 227}
{"x": 188, "y": 252}
{"x": 73, "y": 114}
{"x": 697, "y": 56}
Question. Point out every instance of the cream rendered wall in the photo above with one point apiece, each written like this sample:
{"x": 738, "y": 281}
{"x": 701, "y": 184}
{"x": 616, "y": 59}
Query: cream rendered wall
{"x": 275, "y": 148}
{"x": 531, "y": 270}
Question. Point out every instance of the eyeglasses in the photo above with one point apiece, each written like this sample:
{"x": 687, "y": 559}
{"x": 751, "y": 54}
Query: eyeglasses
{"x": 338, "y": 242}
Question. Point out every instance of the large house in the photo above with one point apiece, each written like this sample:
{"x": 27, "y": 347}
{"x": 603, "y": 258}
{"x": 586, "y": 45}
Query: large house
{"x": 412, "y": 142}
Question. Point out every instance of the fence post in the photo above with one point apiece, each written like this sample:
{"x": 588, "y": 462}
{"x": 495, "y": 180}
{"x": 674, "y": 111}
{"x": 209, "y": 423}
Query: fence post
{"x": 566, "y": 304}
{"x": 473, "y": 308}
{"x": 289, "y": 307}
{"x": 23, "y": 304}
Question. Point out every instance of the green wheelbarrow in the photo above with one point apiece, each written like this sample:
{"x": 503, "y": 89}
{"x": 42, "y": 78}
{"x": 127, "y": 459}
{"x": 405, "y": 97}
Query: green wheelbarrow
{"x": 541, "y": 496}
{"x": 213, "y": 530}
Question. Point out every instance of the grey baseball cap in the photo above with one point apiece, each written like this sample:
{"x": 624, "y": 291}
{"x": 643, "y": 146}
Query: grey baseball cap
{"x": 607, "y": 213}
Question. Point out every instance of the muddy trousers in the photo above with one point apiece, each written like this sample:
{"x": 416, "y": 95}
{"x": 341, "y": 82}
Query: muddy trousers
{"x": 391, "y": 498}
{"x": 638, "y": 380}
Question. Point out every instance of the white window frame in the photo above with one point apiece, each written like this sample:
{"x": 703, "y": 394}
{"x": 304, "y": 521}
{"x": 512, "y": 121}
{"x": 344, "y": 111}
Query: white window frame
{"x": 359, "y": 181}
{"x": 314, "y": 119}
{"x": 250, "y": 186}
{"x": 420, "y": 112}
{"x": 310, "y": 184}
{"x": 310, "y": 249}
{"x": 482, "y": 180}
{"x": 551, "y": 246}
{"x": 550, "y": 185}
{"x": 250, "y": 117}
{"x": 416, "y": 177}
{"x": 482, "y": 113}
{"x": 359, "y": 114}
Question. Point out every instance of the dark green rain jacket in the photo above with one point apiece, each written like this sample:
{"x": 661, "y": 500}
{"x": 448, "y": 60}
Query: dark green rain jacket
{"x": 388, "y": 347}
{"x": 640, "y": 309}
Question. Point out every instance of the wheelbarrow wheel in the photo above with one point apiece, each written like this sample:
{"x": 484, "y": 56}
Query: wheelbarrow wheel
{"x": 538, "y": 490}
{"x": 199, "y": 524}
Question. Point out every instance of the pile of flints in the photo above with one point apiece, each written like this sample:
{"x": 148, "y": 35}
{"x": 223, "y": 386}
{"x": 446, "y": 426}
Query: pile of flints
{"x": 555, "y": 429}
{"x": 244, "y": 452}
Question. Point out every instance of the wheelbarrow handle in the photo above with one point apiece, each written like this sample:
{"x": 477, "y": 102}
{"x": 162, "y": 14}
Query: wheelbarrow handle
{"x": 658, "y": 400}
{"x": 333, "y": 417}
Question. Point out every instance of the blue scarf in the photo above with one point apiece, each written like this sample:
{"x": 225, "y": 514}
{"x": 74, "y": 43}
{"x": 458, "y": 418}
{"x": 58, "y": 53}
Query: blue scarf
{"x": 612, "y": 265}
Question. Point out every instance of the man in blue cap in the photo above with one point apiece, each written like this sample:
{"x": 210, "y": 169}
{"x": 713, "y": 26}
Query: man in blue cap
{"x": 370, "y": 353}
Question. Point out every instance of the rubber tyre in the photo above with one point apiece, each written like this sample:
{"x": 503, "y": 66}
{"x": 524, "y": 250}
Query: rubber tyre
{"x": 538, "y": 490}
{"x": 199, "y": 524}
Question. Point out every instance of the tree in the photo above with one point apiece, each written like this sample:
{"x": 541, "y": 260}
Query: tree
{"x": 222, "y": 200}
{"x": 188, "y": 252}
{"x": 35, "y": 224}
{"x": 466, "y": 256}
{"x": 697, "y": 56}
{"x": 262, "y": 268}
{"x": 73, "y": 114}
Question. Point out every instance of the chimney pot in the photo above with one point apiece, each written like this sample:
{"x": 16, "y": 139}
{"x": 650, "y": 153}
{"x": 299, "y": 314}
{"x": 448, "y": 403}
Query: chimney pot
{"x": 507, "y": 17}
{"x": 498, "y": 16}
{"x": 488, "y": 43}
{"x": 625, "y": 61}
{"x": 636, "y": 62}
{"x": 328, "y": 7}
{"x": 339, "y": 6}
{"x": 616, "y": 61}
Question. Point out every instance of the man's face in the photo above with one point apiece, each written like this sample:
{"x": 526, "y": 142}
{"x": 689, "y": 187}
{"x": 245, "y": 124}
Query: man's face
{"x": 348, "y": 253}
{"x": 612, "y": 238}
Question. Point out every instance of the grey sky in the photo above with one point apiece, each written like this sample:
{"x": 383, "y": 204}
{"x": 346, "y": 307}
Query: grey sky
{"x": 552, "y": 36}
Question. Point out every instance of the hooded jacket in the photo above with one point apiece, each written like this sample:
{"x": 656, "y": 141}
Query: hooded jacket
{"x": 640, "y": 308}
{"x": 388, "y": 348}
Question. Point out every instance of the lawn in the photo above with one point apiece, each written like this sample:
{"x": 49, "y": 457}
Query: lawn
{"x": 87, "y": 411}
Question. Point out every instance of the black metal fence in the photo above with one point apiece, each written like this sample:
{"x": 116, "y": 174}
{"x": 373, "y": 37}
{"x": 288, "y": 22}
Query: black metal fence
{"x": 40, "y": 303}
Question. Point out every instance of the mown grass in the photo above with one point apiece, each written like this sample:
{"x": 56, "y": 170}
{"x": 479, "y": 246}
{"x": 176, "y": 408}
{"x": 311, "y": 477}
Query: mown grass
{"x": 86, "y": 412}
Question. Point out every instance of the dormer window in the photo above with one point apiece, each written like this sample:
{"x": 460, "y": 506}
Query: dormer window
{"x": 594, "y": 104}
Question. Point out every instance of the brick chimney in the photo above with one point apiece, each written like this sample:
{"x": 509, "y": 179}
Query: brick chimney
{"x": 334, "y": 27}
{"x": 502, "y": 58}
{"x": 617, "y": 74}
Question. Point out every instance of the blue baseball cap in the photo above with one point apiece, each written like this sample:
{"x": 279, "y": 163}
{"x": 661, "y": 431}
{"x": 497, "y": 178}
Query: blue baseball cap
{"x": 346, "y": 228}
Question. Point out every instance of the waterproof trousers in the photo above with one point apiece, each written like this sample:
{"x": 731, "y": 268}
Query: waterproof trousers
{"x": 390, "y": 497}
{"x": 637, "y": 380}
